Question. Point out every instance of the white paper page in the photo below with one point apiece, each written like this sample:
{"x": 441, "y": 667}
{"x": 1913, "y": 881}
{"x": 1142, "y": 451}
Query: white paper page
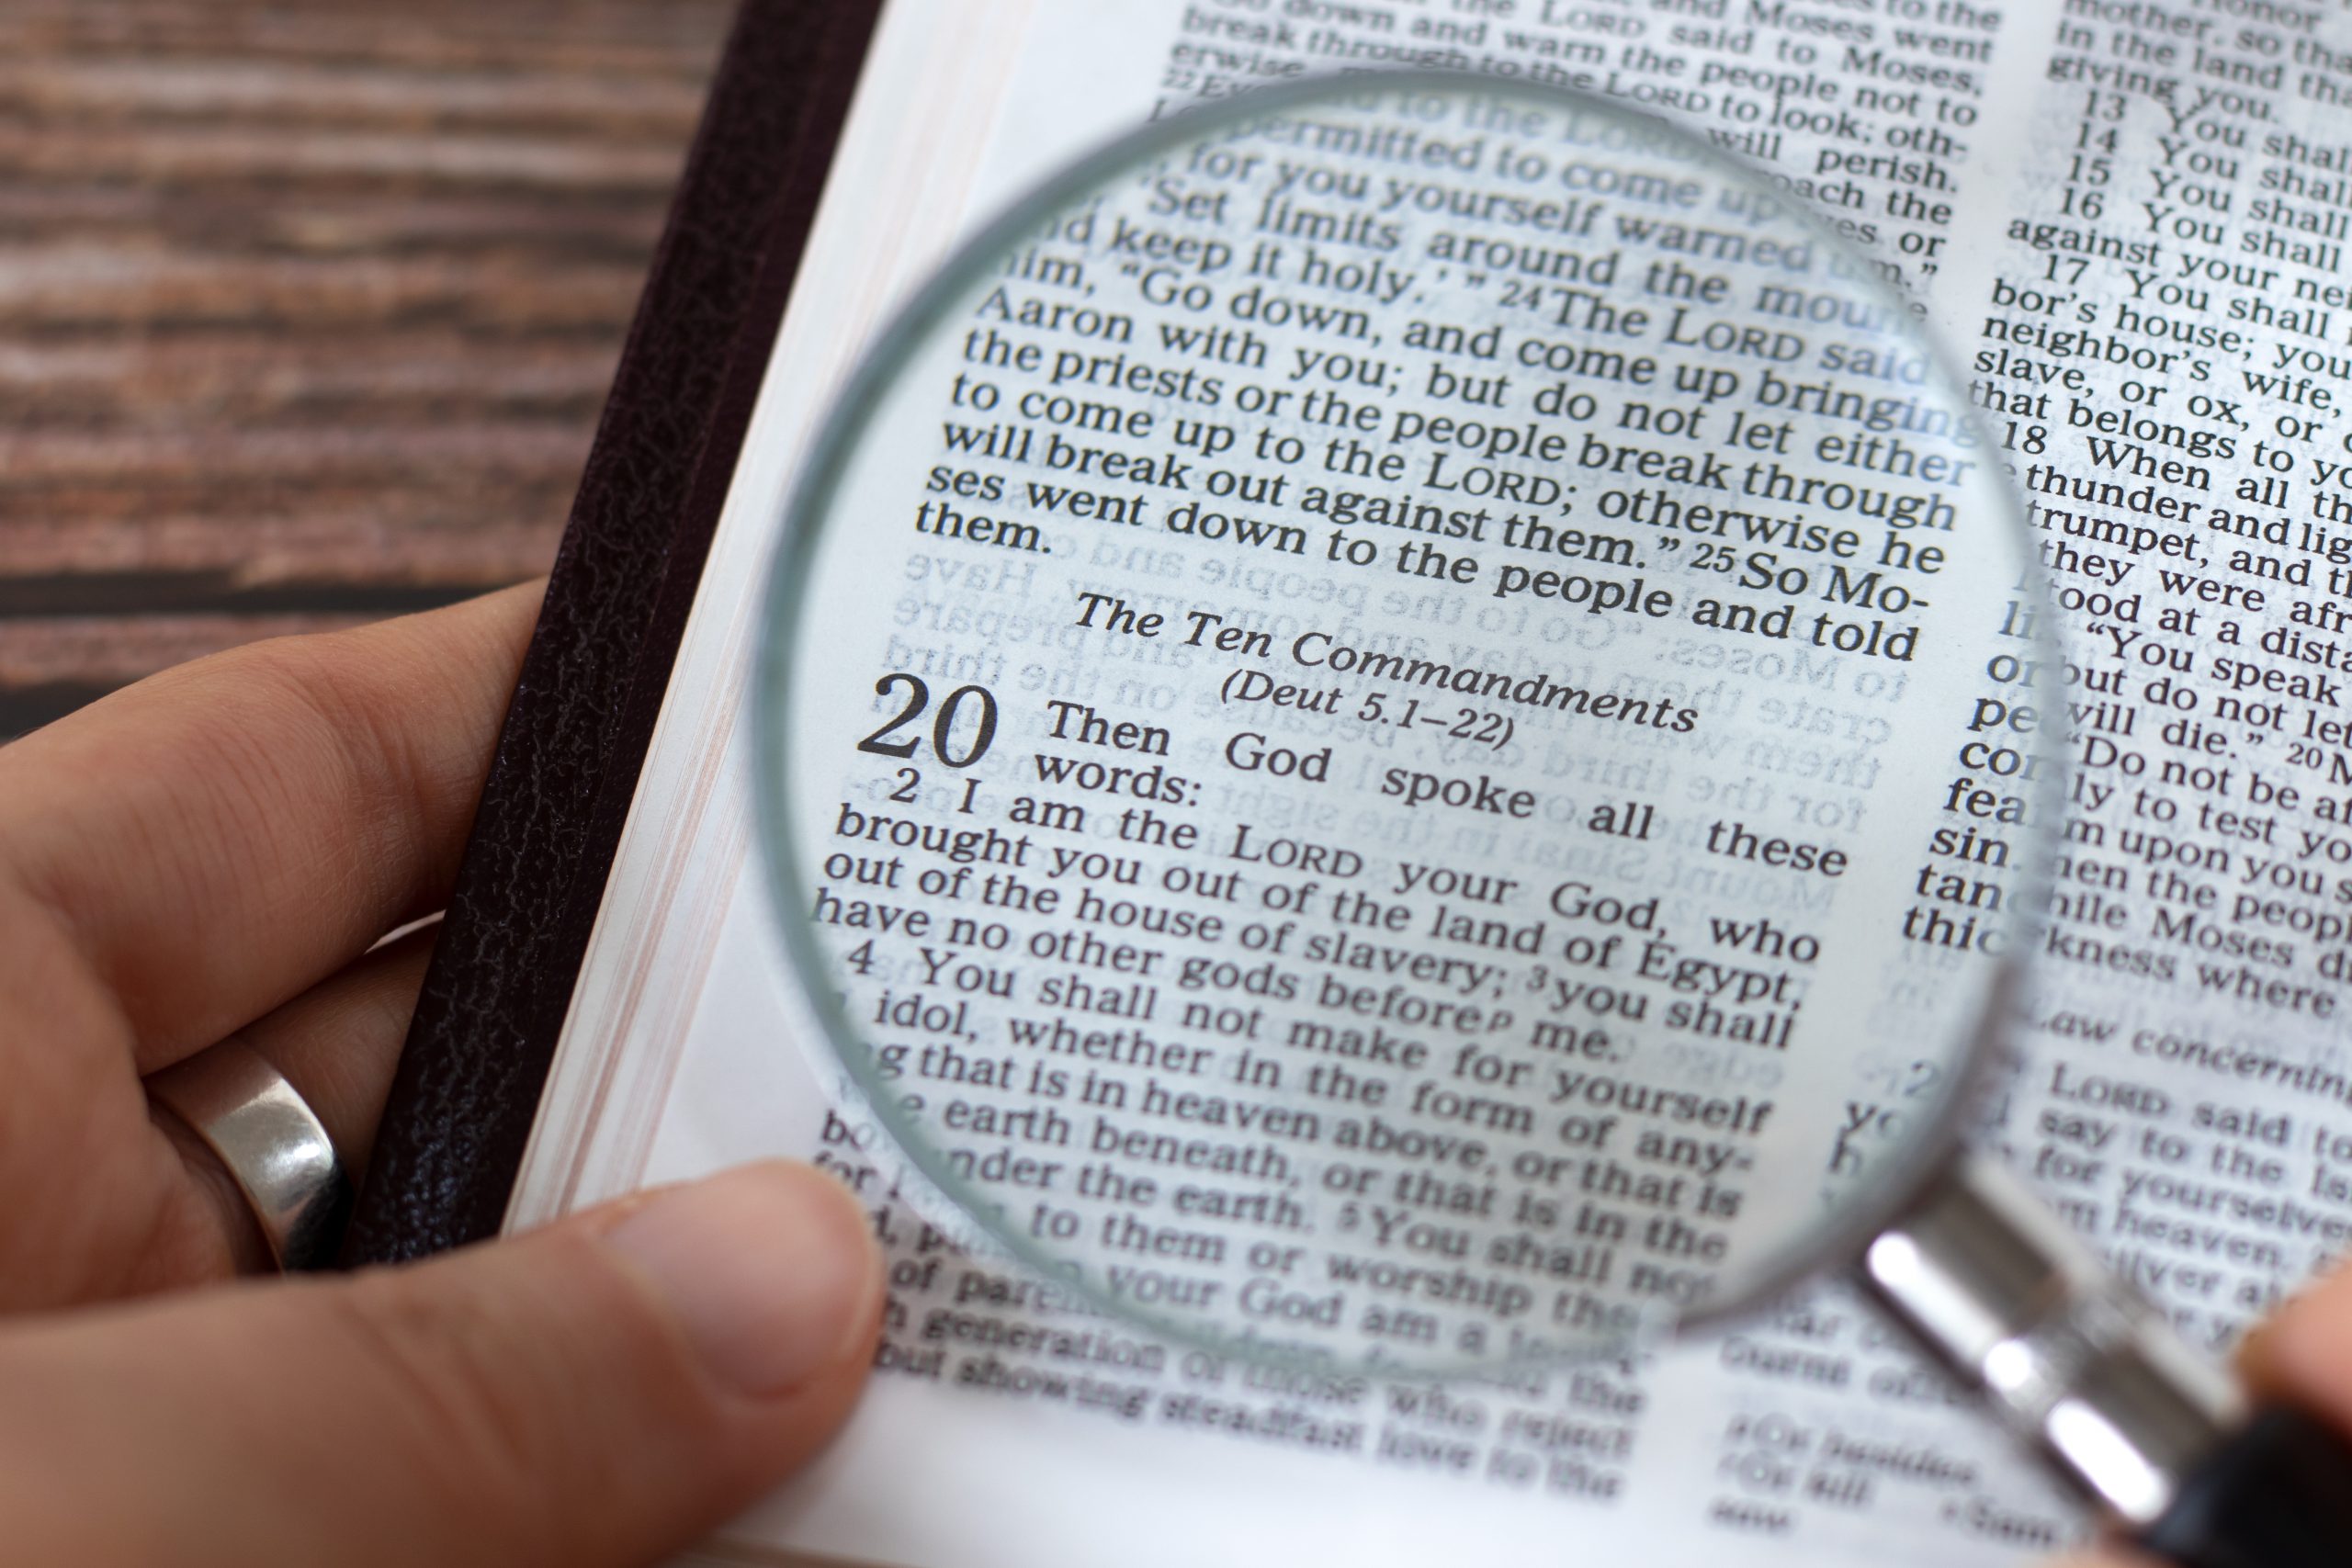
{"x": 1808, "y": 1437}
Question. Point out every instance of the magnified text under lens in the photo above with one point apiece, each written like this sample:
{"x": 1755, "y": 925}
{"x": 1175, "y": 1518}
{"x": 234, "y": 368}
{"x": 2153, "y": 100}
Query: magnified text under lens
{"x": 1410, "y": 738}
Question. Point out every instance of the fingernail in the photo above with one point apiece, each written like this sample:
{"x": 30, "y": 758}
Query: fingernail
{"x": 769, "y": 1270}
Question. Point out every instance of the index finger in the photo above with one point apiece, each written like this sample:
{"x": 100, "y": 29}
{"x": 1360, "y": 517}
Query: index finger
{"x": 213, "y": 841}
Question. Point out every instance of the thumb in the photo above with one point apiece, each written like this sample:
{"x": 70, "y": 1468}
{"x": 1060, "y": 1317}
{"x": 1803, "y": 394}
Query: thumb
{"x": 602, "y": 1391}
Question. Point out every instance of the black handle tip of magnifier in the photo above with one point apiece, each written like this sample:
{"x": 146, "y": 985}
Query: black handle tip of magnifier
{"x": 2279, "y": 1494}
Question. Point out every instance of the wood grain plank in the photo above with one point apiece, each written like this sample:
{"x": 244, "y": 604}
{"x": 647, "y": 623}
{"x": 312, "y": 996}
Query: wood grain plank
{"x": 307, "y": 307}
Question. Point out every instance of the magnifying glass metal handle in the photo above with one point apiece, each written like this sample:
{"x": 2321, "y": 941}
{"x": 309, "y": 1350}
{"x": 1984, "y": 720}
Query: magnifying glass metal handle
{"x": 2279, "y": 1494}
{"x": 2077, "y": 1363}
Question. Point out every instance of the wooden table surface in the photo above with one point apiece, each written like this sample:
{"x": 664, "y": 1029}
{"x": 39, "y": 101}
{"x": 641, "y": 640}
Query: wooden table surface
{"x": 307, "y": 308}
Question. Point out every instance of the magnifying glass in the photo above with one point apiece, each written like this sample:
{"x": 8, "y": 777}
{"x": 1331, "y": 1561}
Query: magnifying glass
{"x": 1408, "y": 725}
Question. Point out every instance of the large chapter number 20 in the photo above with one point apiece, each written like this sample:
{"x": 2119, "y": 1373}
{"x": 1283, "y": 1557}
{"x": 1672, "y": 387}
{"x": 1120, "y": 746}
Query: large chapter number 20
{"x": 943, "y": 725}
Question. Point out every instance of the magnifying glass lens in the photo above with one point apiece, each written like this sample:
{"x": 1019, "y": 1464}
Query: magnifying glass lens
{"x": 1401, "y": 727}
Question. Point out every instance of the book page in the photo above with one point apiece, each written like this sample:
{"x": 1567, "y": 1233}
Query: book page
{"x": 2128, "y": 219}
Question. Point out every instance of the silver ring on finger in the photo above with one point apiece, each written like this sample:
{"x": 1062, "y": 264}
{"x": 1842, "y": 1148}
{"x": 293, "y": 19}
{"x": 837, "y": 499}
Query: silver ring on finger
{"x": 272, "y": 1144}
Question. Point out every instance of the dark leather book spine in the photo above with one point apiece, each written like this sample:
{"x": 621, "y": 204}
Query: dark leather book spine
{"x": 478, "y": 1050}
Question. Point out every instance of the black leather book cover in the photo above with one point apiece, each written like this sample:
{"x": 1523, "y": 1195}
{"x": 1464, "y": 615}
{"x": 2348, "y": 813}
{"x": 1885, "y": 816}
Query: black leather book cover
{"x": 624, "y": 577}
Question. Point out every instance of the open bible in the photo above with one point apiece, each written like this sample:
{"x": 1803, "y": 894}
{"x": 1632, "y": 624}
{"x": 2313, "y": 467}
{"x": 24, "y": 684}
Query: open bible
{"x": 2127, "y": 217}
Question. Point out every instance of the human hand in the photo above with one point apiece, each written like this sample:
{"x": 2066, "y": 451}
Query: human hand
{"x": 213, "y": 851}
